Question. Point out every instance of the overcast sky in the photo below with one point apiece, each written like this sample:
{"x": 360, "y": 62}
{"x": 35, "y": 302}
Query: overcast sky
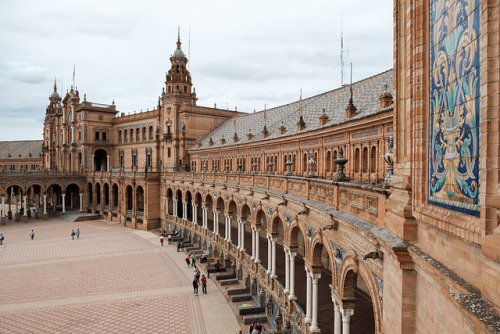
{"x": 242, "y": 54}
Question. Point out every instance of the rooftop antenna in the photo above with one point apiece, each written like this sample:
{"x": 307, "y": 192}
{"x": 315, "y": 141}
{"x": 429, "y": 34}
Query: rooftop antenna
{"x": 189, "y": 48}
{"x": 342, "y": 50}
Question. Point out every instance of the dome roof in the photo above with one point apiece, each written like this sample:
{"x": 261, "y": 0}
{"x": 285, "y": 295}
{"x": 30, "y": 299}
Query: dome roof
{"x": 54, "y": 94}
{"x": 178, "y": 53}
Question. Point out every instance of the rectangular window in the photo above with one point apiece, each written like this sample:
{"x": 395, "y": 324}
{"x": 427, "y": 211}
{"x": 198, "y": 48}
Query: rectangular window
{"x": 96, "y": 135}
{"x": 168, "y": 152}
{"x": 104, "y": 136}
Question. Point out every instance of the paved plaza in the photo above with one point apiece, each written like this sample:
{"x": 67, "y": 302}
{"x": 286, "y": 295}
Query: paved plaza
{"x": 111, "y": 280}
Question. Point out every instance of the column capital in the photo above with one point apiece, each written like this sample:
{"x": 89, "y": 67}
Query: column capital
{"x": 346, "y": 314}
{"x": 315, "y": 277}
{"x": 292, "y": 254}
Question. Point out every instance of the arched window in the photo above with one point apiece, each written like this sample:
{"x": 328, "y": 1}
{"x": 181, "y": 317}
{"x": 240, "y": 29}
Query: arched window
{"x": 131, "y": 135}
{"x": 120, "y": 136}
{"x": 304, "y": 163}
{"x": 328, "y": 161}
{"x": 373, "y": 159}
{"x": 365, "y": 159}
{"x": 333, "y": 161}
{"x": 125, "y": 135}
{"x": 150, "y": 133}
{"x": 144, "y": 134}
{"x": 356, "y": 160}
{"x": 137, "y": 134}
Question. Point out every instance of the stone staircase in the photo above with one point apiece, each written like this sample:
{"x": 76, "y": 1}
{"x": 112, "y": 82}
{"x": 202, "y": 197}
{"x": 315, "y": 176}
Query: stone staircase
{"x": 77, "y": 216}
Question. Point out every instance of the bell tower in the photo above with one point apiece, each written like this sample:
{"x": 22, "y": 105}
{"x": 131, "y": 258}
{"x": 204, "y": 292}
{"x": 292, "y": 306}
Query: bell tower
{"x": 49, "y": 128}
{"x": 178, "y": 83}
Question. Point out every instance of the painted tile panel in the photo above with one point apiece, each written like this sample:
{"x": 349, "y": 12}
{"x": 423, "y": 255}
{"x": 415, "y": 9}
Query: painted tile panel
{"x": 454, "y": 105}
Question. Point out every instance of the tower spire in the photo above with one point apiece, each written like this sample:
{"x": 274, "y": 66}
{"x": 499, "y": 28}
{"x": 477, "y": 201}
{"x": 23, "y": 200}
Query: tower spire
{"x": 178, "y": 37}
{"x": 55, "y": 84}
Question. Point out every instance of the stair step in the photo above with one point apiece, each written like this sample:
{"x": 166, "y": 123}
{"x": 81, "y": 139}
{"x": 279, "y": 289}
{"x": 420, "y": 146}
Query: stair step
{"x": 248, "y": 319}
{"x": 252, "y": 310}
{"x": 225, "y": 276}
{"x": 241, "y": 298}
{"x": 232, "y": 281}
{"x": 231, "y": 291}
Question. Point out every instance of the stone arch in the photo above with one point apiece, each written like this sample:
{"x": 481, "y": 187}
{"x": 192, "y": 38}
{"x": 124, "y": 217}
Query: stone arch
{"x": 188, "y": 198}
{"x": 293, "y": 232}
{"x": 139, "y": 200}
{"x": 348, "y": 276}
{"x": 100, "y": 159}
{"x": 179, "y": 197}
{"x": 115, "y": 195}
{"x": 129, "y": 193}
{"x": 72, "y": 191}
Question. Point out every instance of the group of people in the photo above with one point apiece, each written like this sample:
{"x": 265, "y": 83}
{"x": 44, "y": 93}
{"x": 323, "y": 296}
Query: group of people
{"x": 77, "y": 233}
{"x": 32, "y": 235}
{"x": 256, "y": 328}
{"x": 191, "y": 261}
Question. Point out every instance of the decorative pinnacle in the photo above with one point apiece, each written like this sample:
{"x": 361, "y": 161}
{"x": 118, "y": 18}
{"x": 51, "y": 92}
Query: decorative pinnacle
{"x": 55, "y": 84}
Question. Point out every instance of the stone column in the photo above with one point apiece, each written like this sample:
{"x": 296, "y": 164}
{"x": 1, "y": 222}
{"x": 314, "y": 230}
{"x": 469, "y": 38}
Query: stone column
{"x": 93, "y": 167}
{"x": 174, "y": 208}
{"x": 44, "y": 207}
{"x": 287, "y": 272}
{"x": 292, "y": 296}
{"x": 63, "y": 203}
{"x": 346, "y": 320}
{"x": 337, "y": 323}
{"x": 107, "y": 163}
{"x": 257, "y": 230}
{"x": 308, "y": 319}
{"x": 273, "y": 262}
{"x": 242, "y": 236}
{"x": 184, "y": 210}
{"x": 195, "y": 214}
{"x": 25, "y": 213}
{"x": 204, "y": 216}
{"x": 239, "y": 233}
{"x": 314, "y": 322}
{"x": 3, "y": 211}
{"x": 253, "y": 243}
{"x": 166, "y": 205}
{"x": 228, "y": 229}
{"x": 214, "y": 220}
{"x": 269, "y": 255}
{"x": 81, "y": 202}
{"x": 225, "y": 227}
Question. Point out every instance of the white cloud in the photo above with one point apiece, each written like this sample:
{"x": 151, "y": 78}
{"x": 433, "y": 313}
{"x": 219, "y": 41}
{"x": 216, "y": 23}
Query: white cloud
{"x": 243, "y": 54}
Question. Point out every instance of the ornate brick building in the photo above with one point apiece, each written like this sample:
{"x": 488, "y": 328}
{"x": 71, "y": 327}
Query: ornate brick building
{"x": 297, "y": 199}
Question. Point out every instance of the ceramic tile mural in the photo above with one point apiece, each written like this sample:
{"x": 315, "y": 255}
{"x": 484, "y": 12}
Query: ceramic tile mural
{"x": 454, "y": 104}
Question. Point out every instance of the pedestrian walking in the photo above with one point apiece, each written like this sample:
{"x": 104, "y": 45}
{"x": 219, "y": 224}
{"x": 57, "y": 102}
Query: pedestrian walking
{"x": 78, "y": 233}
{"x": 169, "y": 239}
{"x": 32, "y": 234}
{"x": 195, "y": 286}
{"x": 161, "y": 240}
{"x": 1, "y": 238}
{"x": 208, "y": 270}
{"x": 178, "y": 245}
{"x": 193, "y": 260}
{"x": 188, "y": 260}
{"x": 73, "y": 234}
{"x": 204, "y": 284}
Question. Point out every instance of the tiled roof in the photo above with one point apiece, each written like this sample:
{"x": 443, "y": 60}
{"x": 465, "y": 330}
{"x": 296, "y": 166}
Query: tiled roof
{"x": 22, "y": 147}
{"x": 366, "y": 95}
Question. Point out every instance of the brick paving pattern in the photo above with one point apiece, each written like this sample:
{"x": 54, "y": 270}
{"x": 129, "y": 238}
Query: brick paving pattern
{"x": 111, "y": 280}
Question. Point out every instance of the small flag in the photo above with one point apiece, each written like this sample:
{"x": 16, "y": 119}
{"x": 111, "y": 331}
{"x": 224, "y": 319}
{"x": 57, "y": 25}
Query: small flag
{"x": 300, "y": 103}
